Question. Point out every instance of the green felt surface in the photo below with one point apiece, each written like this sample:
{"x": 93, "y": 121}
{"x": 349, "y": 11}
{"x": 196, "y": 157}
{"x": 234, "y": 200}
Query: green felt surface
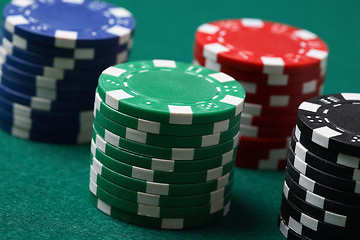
{"x": 44, "y": 187}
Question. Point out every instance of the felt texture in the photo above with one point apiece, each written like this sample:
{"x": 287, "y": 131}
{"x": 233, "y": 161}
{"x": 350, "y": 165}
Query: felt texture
{"x": 44, "y": 187}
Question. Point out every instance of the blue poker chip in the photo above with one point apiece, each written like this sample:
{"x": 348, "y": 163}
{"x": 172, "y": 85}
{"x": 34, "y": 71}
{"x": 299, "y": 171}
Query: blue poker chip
{"x": 47, "y": 71}
{"x": 68, "y": 138}
{"x": 44, "y": 104}
{"x": 69, "y": 23}
{"x": 76, "y": 53}
{"x": 38, "y": 126}
{"x": 46, "y": 82}
{"x": 58, "y": 95}
{"x": 55, "y": 117}
{"x": 64, "y": 63}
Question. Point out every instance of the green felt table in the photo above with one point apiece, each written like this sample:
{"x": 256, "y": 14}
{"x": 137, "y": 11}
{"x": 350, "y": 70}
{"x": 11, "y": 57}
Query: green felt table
{"x": 44, "y": 187}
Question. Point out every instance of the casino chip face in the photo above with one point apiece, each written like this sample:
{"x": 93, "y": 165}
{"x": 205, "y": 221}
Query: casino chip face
{"x": 83, "y": 23}
{"x": 181, "y": 94}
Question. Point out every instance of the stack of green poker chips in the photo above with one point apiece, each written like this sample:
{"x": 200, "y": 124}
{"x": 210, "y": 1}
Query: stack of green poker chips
{"x": 164, "y": 143}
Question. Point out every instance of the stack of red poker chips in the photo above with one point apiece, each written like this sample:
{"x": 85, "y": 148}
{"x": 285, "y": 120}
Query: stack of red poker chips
{"x": 279, "y": 66}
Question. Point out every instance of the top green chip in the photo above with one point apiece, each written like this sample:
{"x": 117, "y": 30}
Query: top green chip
{"x": 171, "y": 92}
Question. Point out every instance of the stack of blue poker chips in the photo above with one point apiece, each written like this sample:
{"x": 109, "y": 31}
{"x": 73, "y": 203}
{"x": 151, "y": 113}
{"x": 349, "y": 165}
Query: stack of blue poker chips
{"x": 51, "y": 56}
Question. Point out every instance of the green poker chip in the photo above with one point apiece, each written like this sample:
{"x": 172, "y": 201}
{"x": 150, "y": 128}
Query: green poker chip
{"x": 163, "y": 177}
{"x": 163, "y": 128}
{"x": 163, "y": 223}
{"x": 162, "y": 152}
{"x": 171, "y": 92}
{"x": 165, "y": 140}
{"x": 159, "y": 188}
{"x": 100, "y": 147}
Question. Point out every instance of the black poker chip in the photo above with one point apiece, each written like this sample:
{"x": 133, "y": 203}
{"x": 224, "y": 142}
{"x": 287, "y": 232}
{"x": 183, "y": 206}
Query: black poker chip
{"x": 332, "y": 122}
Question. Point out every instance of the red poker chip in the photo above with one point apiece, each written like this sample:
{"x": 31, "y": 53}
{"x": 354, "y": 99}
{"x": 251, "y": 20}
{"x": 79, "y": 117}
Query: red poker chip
{"x": 263, "y": 143}
{"x": 262, "y": 46}
{"x": 278, "y": 153}
{"x": 269, "y": 111}
{"x": 268, "y": 122}
{"x": 277, "y": 100}
{"x": 276, "y": 80}
{"x": 263, "y": 132}
{"x": 260, "y": 163}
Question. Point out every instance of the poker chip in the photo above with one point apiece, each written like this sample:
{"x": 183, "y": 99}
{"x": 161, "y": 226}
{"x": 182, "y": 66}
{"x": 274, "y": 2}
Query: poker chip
{"x": 321, "y": 194}
{"x": 164, "y": 143}
{"x": 51, "y": 55}
{"x": 279, "y": 66}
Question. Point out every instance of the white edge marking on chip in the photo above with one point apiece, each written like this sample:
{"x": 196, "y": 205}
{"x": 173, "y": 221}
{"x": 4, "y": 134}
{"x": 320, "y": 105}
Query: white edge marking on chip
{"x": 14, "y": 20}
{"x": 223, "y": 181}
{"x": 273, "y": 65}
{"x": 214, "y": 173}
{"x": 310, "y": 107}
{"x": 286, "y": 190}
{"x": 322, "y": 135}
{"x": 148, "y": 126}
{"x": 86, "y": 53}
{"x": 249, "y": 87}
{"x": 212, "y": 49}
{"x": 309, "y": 221}
{"x": 18, "y": 132}
{"x": 208, "y": 28}
{"x": 142, "y": 173}
{"x": 295, "y": 226}
{"x": 120, "y": 12}
{"x": 279, "y": 100}
{"x": 315, "y": 199}
{"x": 300, "y": 151}
{"x": 149, "y": 211}
{"x": 74, "y": 1}
{"x": 300, "y": 165}
{"x": 180, "y": 114}
{"x": 278, "y": 80}
{"x": 306, "y": 182}
{"x": 148, "y": 199}
{"x": 93, "y": 187}
{"x": 104, "y": 207}
{"x": 100, "y": 143}
{"x": 309, "y": 87}
{"x": 236, "y": 101}
{"x": 221, "y": 126}
{"x": 114, "y": 71}
{"x": 111, "y": 138}
{"x": 297, "y": 133}
{"x": 227, "y": 157}
{"x": 164, "y": 63}
{"x": 305, "y": 34}
{"x": 97, "y": 166}
{"x": 22, "y": 3}
{"x": 212, "y": 65}
{"x": 252, "y": 22}
{"x": 112, "y": 97}
{"x": 122, "y": 32}
{"x": 335, "y": 219}
{"x": 21, "y": 110}
{"x": 221, "y": 77}
{"x": 182, "y": 153}
{"x": 348, "y": 161}
{"x": 157, "y": 188}
{"x": 65, "y": 39}
{"x": 217, "y": 206}
{"x": 284, "y": 229}
{"x": 136, "y": 135}
{"x": 162, "y": 165}
{"x": 217, "y": 194}
{"x": 210, "y": 140}
{"x": 351, "y": 96}
{"x": 252, "y": 109}
{"x": 317, "y": 54}
{"x": 19, "y": 42}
